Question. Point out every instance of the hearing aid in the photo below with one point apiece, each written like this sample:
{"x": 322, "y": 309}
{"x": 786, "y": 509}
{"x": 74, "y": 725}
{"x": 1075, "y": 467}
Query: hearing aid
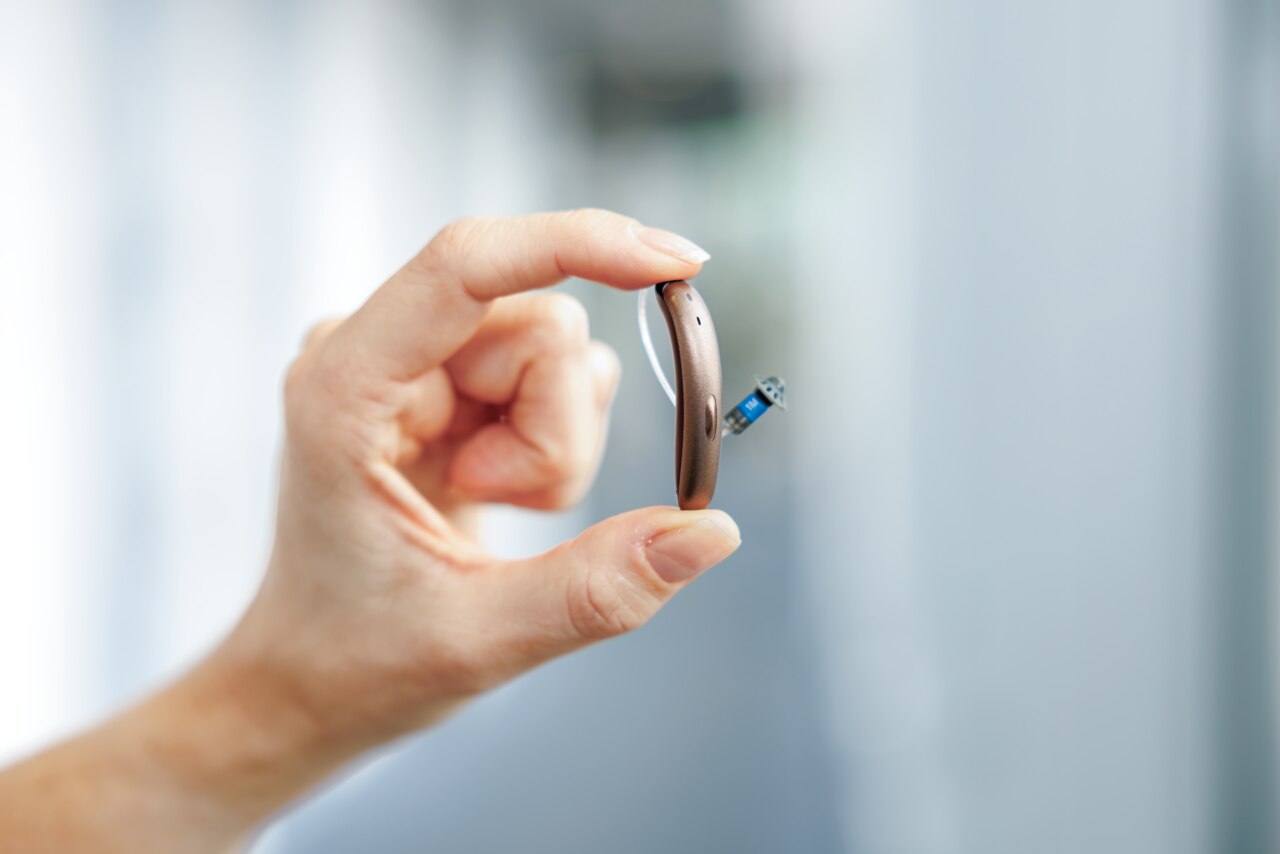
{"x": 698, "y": 393}
{"x": 696, "y": 354}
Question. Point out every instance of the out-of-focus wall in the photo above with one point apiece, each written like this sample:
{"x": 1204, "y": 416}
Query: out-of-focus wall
{"x": 1018, "y": 642}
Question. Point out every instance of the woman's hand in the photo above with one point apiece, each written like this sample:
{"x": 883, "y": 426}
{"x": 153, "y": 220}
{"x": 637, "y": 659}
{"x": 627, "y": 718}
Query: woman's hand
{"x": 379, "y": 614}
{"x": 448, "y": 390}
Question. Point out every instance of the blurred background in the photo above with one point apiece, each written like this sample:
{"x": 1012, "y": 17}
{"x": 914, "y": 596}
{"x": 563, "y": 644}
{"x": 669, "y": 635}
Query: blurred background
{"x": 1008, "y": 574}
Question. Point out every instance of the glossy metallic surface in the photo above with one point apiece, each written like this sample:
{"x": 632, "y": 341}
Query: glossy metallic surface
{"x": 698, "y": 392}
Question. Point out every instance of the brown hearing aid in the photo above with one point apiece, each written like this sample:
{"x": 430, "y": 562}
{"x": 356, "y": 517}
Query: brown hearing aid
{"x": 698, "y": 392}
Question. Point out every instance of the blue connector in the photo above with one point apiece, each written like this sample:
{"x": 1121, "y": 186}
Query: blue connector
{"x": 769, "y": 391}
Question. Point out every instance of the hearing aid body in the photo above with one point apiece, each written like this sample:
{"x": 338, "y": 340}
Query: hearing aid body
{"x": 698, "y": 392}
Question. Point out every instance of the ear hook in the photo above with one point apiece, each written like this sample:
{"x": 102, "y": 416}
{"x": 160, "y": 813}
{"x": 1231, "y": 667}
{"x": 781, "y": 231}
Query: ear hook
{"x": 642, "y": 315}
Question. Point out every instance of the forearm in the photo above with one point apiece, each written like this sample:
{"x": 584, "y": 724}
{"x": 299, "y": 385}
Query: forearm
{"x": 195, "y": 768}
{"x": 379, "y": 615}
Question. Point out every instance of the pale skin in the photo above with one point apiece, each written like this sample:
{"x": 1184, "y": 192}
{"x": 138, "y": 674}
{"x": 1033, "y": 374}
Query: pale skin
{"x": 380, "y": 613}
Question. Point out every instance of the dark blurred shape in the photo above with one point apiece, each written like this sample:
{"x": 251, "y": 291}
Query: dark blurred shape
{"x": 618, "y": 100}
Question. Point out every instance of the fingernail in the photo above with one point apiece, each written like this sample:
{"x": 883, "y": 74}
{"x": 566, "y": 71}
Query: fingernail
{"x": 683, "y": 553}
{"x": 673, "y": 244}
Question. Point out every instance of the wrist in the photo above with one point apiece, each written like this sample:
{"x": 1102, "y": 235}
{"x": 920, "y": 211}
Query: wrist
{"x": 233, "y": 739}
{"x": 204, "y": 761}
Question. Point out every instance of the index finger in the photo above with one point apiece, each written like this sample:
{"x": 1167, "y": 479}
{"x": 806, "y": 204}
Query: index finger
{"x": 433, "y": 305}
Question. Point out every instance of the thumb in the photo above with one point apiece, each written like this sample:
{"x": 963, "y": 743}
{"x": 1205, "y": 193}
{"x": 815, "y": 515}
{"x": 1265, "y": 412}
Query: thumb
{"x": 610, "y": 579}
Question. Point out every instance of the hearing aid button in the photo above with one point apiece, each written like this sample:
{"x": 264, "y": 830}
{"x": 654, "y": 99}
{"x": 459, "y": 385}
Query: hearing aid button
{"x": 712, "y": 416}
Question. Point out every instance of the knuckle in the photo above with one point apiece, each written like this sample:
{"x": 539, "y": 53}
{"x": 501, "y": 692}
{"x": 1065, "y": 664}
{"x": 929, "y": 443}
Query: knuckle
{"x": 605, "y": 603}
{"x": 563, "y": 496}
{"x": 452, "y": 240}
{"x": 318, "y": 332}
{"x": 565, "y": 319}
{"x": 580, "y": 461}
{"x": 607, "y": 363}
{"x": 331, "y": 417}
{"x": 564, "y": 465}
{"x": 312, "y": 384}
{"x": 596, "y": 217}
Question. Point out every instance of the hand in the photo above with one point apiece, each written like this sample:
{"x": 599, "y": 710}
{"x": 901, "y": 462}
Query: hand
{"x": 379, "y": 613}
{"x": 443, "y": 391}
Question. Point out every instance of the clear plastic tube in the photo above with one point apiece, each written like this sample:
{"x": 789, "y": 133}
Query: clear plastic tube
{"x": 642, "y": 314}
